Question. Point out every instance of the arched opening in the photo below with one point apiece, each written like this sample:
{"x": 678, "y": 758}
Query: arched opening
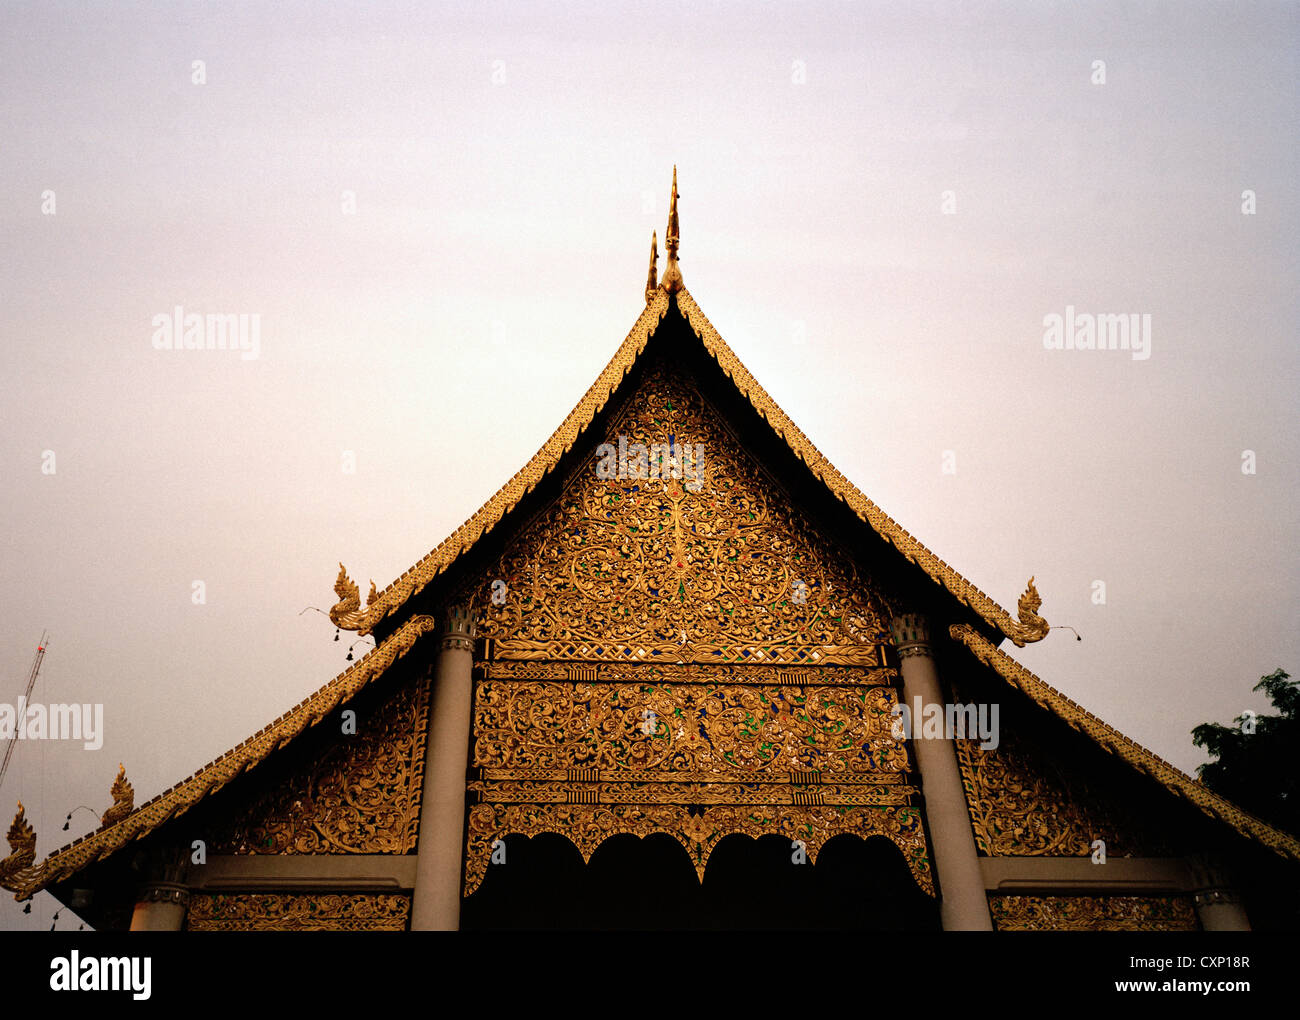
{"x": 867, "y": 885}
{"x": 754, "y": 883}
{"x": 533, "y": 888}
{"x": 650, "y": 883}
{"x": 642, "y": 883}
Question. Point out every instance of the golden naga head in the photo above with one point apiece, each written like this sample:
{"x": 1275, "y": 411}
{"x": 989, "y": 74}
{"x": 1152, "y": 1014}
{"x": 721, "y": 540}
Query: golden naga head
{"x": 20, "y": 829}
{"x": 347, "y": 613}
{"x": 1031, "y": 626}
{"x": 22, "y": 845}
{"x": 123, "y": 799}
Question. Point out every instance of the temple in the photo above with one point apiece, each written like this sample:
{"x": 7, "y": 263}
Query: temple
{"x": 677, "y": 672}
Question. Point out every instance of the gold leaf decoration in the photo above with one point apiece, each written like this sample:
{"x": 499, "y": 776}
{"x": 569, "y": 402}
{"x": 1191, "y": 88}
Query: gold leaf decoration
{"x": 589, "y": 825}
{"x": 299, "y": 912}
{"x": 16, "y": 869}
{"x": 360, "y": 796}
{"x": 1030, "y": 626}
{"x": 689, "y": 751}
{"x": 690, "y": 558}
{"x": 123, "y": 799}
{"x": 1025, "y": 803}
{"x": 689, "y": 732}
{"x": 347, "y": 613}
{"x": 1092, "y": 913}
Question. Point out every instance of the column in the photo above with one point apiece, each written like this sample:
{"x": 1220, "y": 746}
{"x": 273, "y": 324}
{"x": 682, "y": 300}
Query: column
{"x": 1217, "y": 905}
{"x": 161, "y": 907}
{"x": 164, "y": 890}
{"x": 964, "y": 906}
{"x": 435, "y": 904}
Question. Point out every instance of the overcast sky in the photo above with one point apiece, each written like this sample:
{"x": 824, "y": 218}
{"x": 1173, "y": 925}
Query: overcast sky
{"x": 441, "y": 215}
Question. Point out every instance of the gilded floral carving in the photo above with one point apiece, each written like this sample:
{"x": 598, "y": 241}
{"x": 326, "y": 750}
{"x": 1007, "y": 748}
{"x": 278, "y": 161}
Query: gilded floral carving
{"x": 694, "y": 759}
{"x": 1023, "y": 803}
{"x": 698, "y": 731}
{"x": 1092, "y": 913}
{"x": 361, "y": 796}
{"x": 715, "y": 567}
{"x": 299, "y": 912}
{"x": 589, "y": 825}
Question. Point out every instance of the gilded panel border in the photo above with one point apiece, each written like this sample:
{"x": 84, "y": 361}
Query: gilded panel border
{"x": 698, "y": 831}
{"x": 1093, "y": 913}
{"x": 299, "y": 912}
{"x": 688, "y": 673}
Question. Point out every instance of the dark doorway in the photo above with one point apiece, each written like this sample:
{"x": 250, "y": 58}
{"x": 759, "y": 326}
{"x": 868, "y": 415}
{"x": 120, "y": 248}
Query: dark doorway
{"x": 650, "y": 883}
{"x": 534, "y": 888}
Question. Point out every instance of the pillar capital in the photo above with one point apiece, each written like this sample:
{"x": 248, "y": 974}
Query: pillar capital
{"x": 911, "y": 632}
{"x": 164, "y": 864}
{"x": 163, "y": 897}
{"x": 1212, "y": 897}
{"x": 458, "y": 629}
{"x": 1218, "y": 905}
{"x": 1210, "y": 882}
{"x": 164, "y": 892}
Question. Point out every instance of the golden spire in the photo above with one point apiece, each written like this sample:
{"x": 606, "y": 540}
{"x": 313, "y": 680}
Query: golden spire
{"x": 672, "y": 281}
{"x": 652, "y": 280}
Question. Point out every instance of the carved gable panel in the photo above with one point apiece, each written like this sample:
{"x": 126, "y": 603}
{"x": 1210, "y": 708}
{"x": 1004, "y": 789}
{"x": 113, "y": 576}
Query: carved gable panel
{"x": 672, "y": 545}
{"x": 360, "y": 795}
{"x": 1027, "y": 800}
{"x": 699, "y": 752}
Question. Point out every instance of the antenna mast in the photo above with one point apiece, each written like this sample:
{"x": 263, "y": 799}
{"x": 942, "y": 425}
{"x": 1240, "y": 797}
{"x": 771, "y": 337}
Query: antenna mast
{"x": 18, "y": 722}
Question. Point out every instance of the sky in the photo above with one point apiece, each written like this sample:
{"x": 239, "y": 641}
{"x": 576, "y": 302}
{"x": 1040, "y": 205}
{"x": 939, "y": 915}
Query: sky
{"x": 440, "y": 214}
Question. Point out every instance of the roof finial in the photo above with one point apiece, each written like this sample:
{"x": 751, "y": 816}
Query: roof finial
{"x": 672, "y": 281}
{"x": 652, "y": 280}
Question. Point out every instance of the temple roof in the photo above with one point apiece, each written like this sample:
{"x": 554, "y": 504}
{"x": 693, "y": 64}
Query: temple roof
{"x": 19, "y": 873}
{"x": 393, "y": 598}
{"x": 1114, "y": 742}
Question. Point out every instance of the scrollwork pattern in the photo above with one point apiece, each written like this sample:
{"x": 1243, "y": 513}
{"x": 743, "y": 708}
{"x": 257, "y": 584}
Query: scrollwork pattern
{"x": 689, "y": 673}
{"x": 1092, "y": 913}
{"x": 713, "y": 567}
{"x": 1023, "y": 804}
{"x": 692, "y": 731}
{"x": 299, "y": 912}
{"x": 560, "y": 791}
{"x": 361, "y": 796}
{"x": 697, "y": 760}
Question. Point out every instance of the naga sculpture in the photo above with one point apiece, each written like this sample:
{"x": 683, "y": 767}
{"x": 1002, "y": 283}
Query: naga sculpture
{"x": 123, "y": 799}
{"x": 347, "y": 613}
{"x": 1031, "y": 626}
{"x": 16, "y": 870}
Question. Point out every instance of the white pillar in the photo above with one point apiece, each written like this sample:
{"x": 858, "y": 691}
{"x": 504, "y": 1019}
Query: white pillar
{"x": 963, "y": 904}
{"x": 1217, "y": 904}
{"x": 435, "y": 903}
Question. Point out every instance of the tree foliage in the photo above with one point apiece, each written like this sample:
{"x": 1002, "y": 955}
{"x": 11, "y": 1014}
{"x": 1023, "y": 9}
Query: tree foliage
{"x": 1259, "y": 770}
